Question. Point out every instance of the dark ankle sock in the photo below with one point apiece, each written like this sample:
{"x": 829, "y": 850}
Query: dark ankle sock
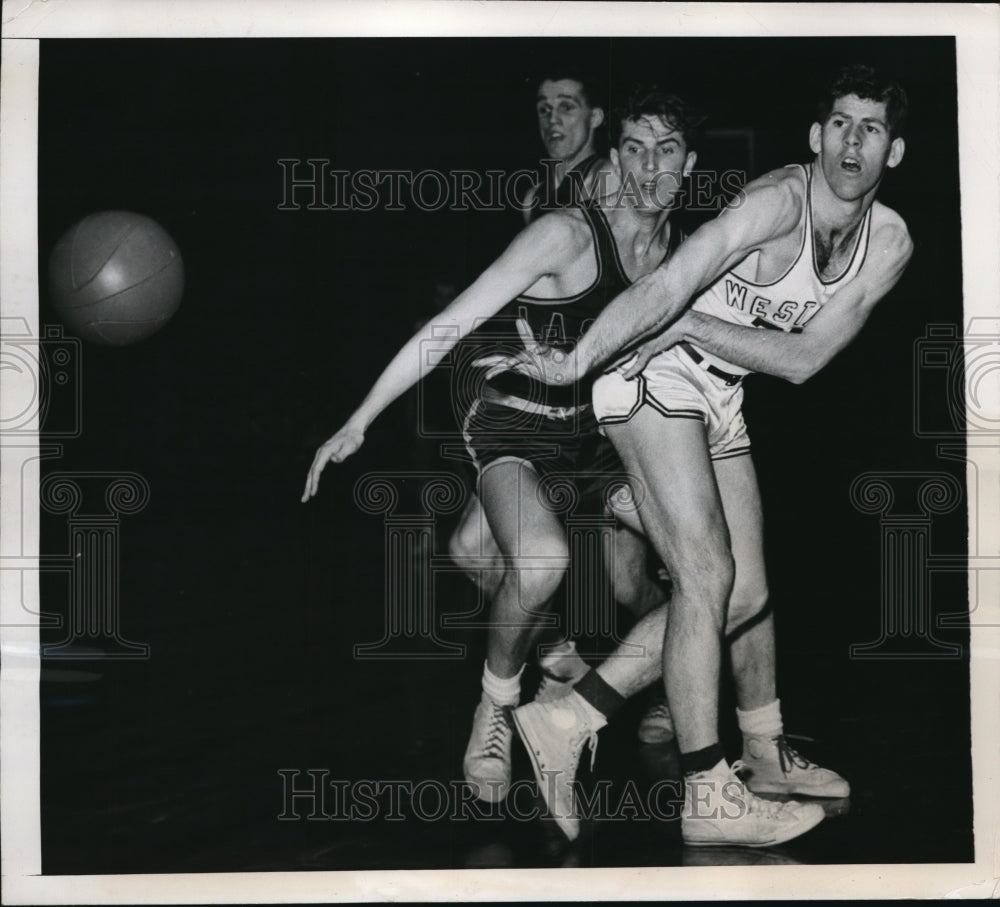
{"x": 601, "y": 695}
{"x": 701, "y": 760}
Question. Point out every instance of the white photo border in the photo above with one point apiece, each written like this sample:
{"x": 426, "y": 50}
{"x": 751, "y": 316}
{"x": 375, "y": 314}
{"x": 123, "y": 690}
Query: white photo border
{"x": 976, "y": 29}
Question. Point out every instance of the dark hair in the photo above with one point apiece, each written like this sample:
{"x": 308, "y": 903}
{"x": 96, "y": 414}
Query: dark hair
{"x": 868, "y": 84}
{"x": 591, "y": 87}
{"x": 652, "y": 101}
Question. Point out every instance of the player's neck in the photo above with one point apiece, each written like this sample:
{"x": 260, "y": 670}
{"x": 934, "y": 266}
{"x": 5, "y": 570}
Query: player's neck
{"x": 563, "y": 167}
{"x": 833, "y": 215}
{"x": 639, "y": 229}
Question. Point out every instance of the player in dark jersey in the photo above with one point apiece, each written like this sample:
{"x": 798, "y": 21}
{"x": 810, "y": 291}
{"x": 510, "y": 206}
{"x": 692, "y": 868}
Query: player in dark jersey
{"x": 570, "y": 110}
{"x": 781, "y": 281}
{"x": 562, "y": 269}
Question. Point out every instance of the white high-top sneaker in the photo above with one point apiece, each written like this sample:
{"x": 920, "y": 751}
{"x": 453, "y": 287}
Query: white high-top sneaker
{"x": 773, "y": 767}
{"x": 719, "y": 810}
{"x": 554, "y": 733}
{"x": 487, "y": 757}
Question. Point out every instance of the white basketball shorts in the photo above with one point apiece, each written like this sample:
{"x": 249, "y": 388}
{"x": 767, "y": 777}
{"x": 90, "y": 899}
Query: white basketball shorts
{"x": 678, "y": 388}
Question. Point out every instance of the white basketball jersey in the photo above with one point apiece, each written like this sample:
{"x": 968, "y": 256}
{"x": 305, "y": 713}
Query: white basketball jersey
{"x": 785, "y": 304}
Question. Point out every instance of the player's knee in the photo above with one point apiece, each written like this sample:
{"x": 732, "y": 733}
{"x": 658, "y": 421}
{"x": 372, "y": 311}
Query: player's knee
{"x": 538, "y": 575}
{"x": 468, "y": 546}
{"x": 703, "y": 573}
{"x": 536, "y": 585}
{"x": 626, "y": 590}
{"x": 627, "y": 582}
{"x": 746, "y": 603}
{"x": 633, "y": 589}
{"x": 460, "y": 548}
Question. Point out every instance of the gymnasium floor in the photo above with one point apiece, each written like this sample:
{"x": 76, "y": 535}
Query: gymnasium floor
{"x": 172, "y": 763}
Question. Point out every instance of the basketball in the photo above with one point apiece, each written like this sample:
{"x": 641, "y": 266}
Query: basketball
{"x": 115, "y": 277}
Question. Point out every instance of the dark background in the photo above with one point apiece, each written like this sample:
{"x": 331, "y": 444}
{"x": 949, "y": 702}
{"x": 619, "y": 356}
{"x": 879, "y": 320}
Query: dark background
{"x": 252, "y": 603}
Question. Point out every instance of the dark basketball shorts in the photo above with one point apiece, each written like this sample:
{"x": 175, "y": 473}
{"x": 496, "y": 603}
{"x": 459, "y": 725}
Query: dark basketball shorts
{"x": 561, "y": 446}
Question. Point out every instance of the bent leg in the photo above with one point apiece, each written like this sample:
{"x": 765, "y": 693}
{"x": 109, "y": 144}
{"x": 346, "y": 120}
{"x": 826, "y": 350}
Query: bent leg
{"x": 750, "y": 627}
{"x": 773, "y": 766}
{"x": 535, "y": 557}
{"x": 638, "y": 661}
{"x": 634, "y": 589}
{"x": 533, "y": 546}
{"x": 681, "y": 511}
{"x": 749, "y": 630}
{"x": 473, "y": 548}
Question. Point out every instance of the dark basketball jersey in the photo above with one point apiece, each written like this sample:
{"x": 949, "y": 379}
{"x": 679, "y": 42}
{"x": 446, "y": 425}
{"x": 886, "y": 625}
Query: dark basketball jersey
{"x": 561, "y": 322}
{"x": 570, "y": 191}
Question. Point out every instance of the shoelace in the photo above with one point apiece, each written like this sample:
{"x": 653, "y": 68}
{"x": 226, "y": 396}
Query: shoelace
{"x": 496, "y": 734}
{"x": 576, "y": 746}
{"x": 789, "y": 757}
{"x": 761, "y": 806}
{"x": 592, "y": 740}
{"x": 767, "y": 809}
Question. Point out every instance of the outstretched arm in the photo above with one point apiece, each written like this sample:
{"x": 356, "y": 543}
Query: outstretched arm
{"x": 797, "y": 357}
{"x": 536, "y": 251}
{"x": 768, "y": 209}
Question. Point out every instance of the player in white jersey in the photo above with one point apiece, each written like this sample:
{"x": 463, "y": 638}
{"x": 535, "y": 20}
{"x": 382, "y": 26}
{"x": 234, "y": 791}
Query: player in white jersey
{"x": 807, "y": 251}
{"x": 688, "y": 381}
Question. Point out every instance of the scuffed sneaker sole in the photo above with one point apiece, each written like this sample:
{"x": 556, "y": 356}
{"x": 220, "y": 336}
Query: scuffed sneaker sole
{"x": 808, "y": 816}
{"x": 833, "y": 790}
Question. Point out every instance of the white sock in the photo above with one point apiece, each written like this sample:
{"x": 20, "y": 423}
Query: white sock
{"x": 502, "y": 690}
{"x": 762, "y": 722}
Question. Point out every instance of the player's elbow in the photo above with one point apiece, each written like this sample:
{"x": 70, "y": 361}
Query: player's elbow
{"x": 799, "y": 369}
{"x": 799, "y": 374}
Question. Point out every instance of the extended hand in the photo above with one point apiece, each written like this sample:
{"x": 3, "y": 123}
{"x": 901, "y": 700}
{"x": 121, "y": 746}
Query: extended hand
{"x": 547, "y": 364}
{"x": 646, "y": 351}
{"x": 335, "y": 450}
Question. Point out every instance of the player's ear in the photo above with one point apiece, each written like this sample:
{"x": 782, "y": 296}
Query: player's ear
{"x": 596, "y": 117}
{"x": 896, "y": 150}
{"x": 689, "y": 162}
{"x": 815, "y": 137}
{"x": 616, "y": 162}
